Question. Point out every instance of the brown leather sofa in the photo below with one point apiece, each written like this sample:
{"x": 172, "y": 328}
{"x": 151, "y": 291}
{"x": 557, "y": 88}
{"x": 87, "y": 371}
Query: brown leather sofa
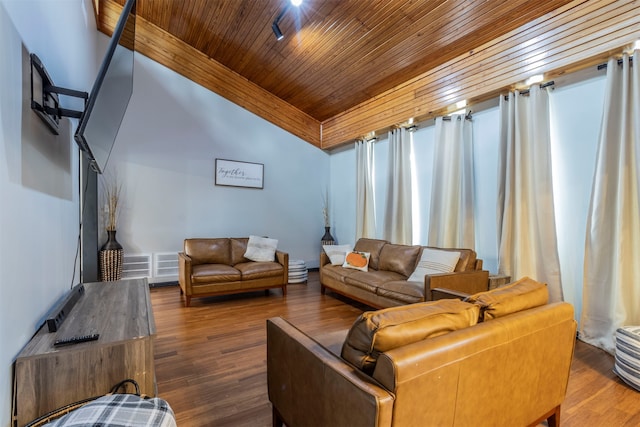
{"x": 510, "y": 369}
{"x": 217, "y": 266}
{"x": 390, "y": 265}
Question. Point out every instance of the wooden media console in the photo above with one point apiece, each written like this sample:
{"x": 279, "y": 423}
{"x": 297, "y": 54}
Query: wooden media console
{"x": 48, "y": 377}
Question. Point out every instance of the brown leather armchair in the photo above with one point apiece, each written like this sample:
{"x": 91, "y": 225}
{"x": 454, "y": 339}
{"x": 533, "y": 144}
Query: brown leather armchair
{"x": 511, "y": 370}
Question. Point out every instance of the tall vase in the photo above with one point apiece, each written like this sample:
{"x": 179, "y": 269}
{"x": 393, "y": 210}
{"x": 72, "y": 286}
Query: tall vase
{"x": 111, "y": 255}
{"x": 327, "y": 239}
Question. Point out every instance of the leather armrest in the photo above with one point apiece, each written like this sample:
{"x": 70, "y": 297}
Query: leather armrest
{"x": 470, "y": 282}
{"x": 324, "y": 258}
{"x": 184, "y": 272}
{"x": 282, "y": 258}
{"x": 308, "y": 382}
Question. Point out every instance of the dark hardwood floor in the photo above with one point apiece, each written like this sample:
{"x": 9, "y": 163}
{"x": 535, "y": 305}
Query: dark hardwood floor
{"x": 211, "y": 358}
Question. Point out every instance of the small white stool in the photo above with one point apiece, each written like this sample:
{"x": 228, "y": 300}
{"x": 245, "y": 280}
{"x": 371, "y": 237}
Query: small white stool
{"x": 627, "y": 360}
{"x": 297, "y": 271}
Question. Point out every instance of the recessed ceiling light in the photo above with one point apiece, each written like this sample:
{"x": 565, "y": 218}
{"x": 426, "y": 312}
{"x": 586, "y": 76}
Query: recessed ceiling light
{"x": 461, "y": 104}
{"x": 296, "y": 2}
{"x": 636, "y": 45}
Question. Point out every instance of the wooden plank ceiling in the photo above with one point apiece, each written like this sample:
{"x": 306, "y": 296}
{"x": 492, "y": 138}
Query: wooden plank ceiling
{"x": 336, "y": 55}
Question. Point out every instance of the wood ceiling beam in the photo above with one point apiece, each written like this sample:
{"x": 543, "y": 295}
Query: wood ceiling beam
{"x": 579, "y": 34}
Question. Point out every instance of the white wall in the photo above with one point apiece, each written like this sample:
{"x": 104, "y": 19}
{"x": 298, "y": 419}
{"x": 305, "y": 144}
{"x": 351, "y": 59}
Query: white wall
{"x": 576, "y": 108}
{"x": 164, "y": 156}
{"x": 39, "y": 213}
{"x": 342, "y": 190}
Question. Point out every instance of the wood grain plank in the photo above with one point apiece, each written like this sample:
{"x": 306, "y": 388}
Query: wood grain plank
{"x": 500, "y": 64}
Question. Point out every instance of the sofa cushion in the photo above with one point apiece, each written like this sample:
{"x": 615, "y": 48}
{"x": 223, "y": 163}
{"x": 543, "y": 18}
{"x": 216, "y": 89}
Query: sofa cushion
{"x": 370, "y": 280}
{"x": 434, "y": 261}
{"x": 520, "y": 295}
{"x": 373, "y": 246}
{"x": 238, "y": 248}
{"x": 332, "y": 341}
{"x": 337, "y": 272}
{"x": 375, "y": 332}
{"x": 357, "y": 260}
{"x": 401, "y": 259}
{"x": 337, "y": 253}
{"x": 208, "y": 251}
{"x": 214, "y": 273}
{"x": 259, "y": 270}
{"x": 402, "y": 290}
{"x": 261, "y": 249}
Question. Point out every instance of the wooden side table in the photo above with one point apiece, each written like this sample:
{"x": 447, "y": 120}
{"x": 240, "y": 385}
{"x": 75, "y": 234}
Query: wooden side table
{"x": 497, "y": 280}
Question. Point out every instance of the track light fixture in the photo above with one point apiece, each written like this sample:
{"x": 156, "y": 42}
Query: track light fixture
{"x": 276, "y": 30}
{"x": 275, "y": 27}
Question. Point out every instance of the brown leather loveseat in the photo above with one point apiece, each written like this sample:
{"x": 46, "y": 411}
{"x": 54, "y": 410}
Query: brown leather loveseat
{"x": 217, "y": 266}
{"x": 386, "y": 284}
{"x": 500, "y": 359}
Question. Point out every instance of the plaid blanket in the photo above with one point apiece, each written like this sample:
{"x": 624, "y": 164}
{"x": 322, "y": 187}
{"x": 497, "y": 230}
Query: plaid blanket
{"x": 119, "y": 410}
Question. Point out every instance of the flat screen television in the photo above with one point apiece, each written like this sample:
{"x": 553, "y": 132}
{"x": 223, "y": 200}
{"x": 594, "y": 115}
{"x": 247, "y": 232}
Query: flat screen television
{"x": 110, "y": 95}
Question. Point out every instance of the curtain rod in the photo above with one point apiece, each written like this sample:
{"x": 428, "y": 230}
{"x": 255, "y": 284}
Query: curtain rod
{"x": 466, "y": 117}
{"x": 542, "y": 86}
{"x": 602, "y": 66}
{"x": 526, "y": 91}
{"x": 414, "y": 126}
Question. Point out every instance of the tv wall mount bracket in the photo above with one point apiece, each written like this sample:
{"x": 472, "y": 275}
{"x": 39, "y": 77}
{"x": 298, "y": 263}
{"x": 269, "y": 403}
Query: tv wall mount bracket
{"x": 48, "y": 107}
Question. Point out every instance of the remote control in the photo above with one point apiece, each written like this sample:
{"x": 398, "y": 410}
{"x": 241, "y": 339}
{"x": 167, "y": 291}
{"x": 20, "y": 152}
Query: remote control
{"x": 75, "y": 340}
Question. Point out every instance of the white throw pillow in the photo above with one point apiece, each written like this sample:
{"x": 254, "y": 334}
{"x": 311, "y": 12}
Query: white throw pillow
{"x": 434, "y": 261}
{"x": 337, "y": 253}
{"x": 261, "y": 249}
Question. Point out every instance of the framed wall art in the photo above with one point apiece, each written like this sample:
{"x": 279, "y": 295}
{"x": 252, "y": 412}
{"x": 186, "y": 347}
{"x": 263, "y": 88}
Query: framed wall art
{"x": 239, "y": 174}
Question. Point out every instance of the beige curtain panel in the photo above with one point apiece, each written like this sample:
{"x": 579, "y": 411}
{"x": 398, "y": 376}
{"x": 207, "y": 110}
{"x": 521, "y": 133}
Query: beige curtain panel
{"x": 611, "y": 290}
{"x": 451, "y": 222}
{"x": 527, "y": 242}
{"x": 365, "y": 200}
{"x": 398, "y": 216}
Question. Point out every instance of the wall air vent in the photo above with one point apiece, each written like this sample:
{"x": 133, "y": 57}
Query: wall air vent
{"x": 136, "y": 266}
{"x": 165, "y": 264}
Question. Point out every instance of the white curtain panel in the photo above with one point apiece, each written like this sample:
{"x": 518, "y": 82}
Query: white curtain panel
{"x": 451, "y": 224}
{"x": 397, "y": 222}
{"x": 611, "y": 293}
{"x": 526, "y": 220}
{"x": 365, "y": 201}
